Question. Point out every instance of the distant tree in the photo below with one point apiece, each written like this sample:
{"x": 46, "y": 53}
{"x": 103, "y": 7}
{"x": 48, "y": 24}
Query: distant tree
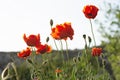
{"x": 110, "y": 31}
{"x": 110, "y": 27}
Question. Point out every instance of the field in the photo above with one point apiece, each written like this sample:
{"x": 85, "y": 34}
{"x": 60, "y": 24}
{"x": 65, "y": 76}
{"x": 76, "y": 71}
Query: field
{"x": 55, "y": 66}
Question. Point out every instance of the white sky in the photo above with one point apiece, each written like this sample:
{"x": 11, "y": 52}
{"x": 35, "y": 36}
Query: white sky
{"x": 32, "y": 17}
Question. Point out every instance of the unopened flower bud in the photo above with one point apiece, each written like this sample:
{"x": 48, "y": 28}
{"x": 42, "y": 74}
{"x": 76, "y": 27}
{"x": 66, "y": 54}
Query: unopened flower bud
{"x": 74, "y": 60}
{"x": 47, "y": 39}
{"x": 84, "y": 36}
{"x": 30, "y": 61}
{"x": 51, "y": 22}
{"x": 45, "y": 62}
{"x": 104, "y": 62}
{"x": 89, "y": 39}
{"x": 78, "y": 58}
{"x": 5, "y": 73}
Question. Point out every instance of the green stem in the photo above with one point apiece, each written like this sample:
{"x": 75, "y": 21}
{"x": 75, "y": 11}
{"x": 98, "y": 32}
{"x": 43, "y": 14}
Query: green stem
{"x": 33, "y": 54}
{"x": 55, "y": 44}
{"x": 86, "y": 51}
{"x": 97, "y": 63}
{"x": 54, "y": 40}
{"x": 67, "y": 50}
{"x": 92, "y": 33}
{"x": 61, "y": 45}
{"x": 103, "y": 63}
{"x": 62, "y": 50}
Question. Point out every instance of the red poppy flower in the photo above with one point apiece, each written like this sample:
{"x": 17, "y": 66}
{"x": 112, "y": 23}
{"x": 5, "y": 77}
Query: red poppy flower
{"x": 25, "y": 53}
{"x": 96, "y": 51}
{"x": 41, "y": 49}
{"x": 90, "y": 11}
{"x": 32, "y": 40}
{"x": 62, "y": 31}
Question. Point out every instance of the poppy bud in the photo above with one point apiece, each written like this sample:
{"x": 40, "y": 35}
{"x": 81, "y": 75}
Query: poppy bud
{"x": 51, "y": 22}
{"x": 45, "y": 62}
{"x": 78, "y": 58}
{"x": 30, "y": 61}
{"x": 47, "y": 39}
{"x": 74, "y": 60}
{"x": 89, "y": 39}
{"x": 84, "y": 36}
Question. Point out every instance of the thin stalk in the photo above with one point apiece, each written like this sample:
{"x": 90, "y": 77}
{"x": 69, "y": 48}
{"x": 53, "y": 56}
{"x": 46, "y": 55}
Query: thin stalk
{"x": 97, "y": 63}
{"x": 94, "y": 42}
{"x": 67, "y": 49}
{"x": 92, "y": 33}
{"x": 103, "y": 63}
{"x": 54, "y": 40}
{"x": 62, "y": 50}
{"x": 61, "y": 45}
{"x": 86, "y": 50}
{"x": 55, "y": 44}
{"x": 33, "y": 54}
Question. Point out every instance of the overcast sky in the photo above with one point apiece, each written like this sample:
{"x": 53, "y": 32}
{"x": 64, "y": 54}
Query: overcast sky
{"x": 32, "y": 17}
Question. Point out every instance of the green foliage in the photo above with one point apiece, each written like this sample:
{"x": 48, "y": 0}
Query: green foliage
{"x": 110, "y": 31}
{"x": 81, "y": 67}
